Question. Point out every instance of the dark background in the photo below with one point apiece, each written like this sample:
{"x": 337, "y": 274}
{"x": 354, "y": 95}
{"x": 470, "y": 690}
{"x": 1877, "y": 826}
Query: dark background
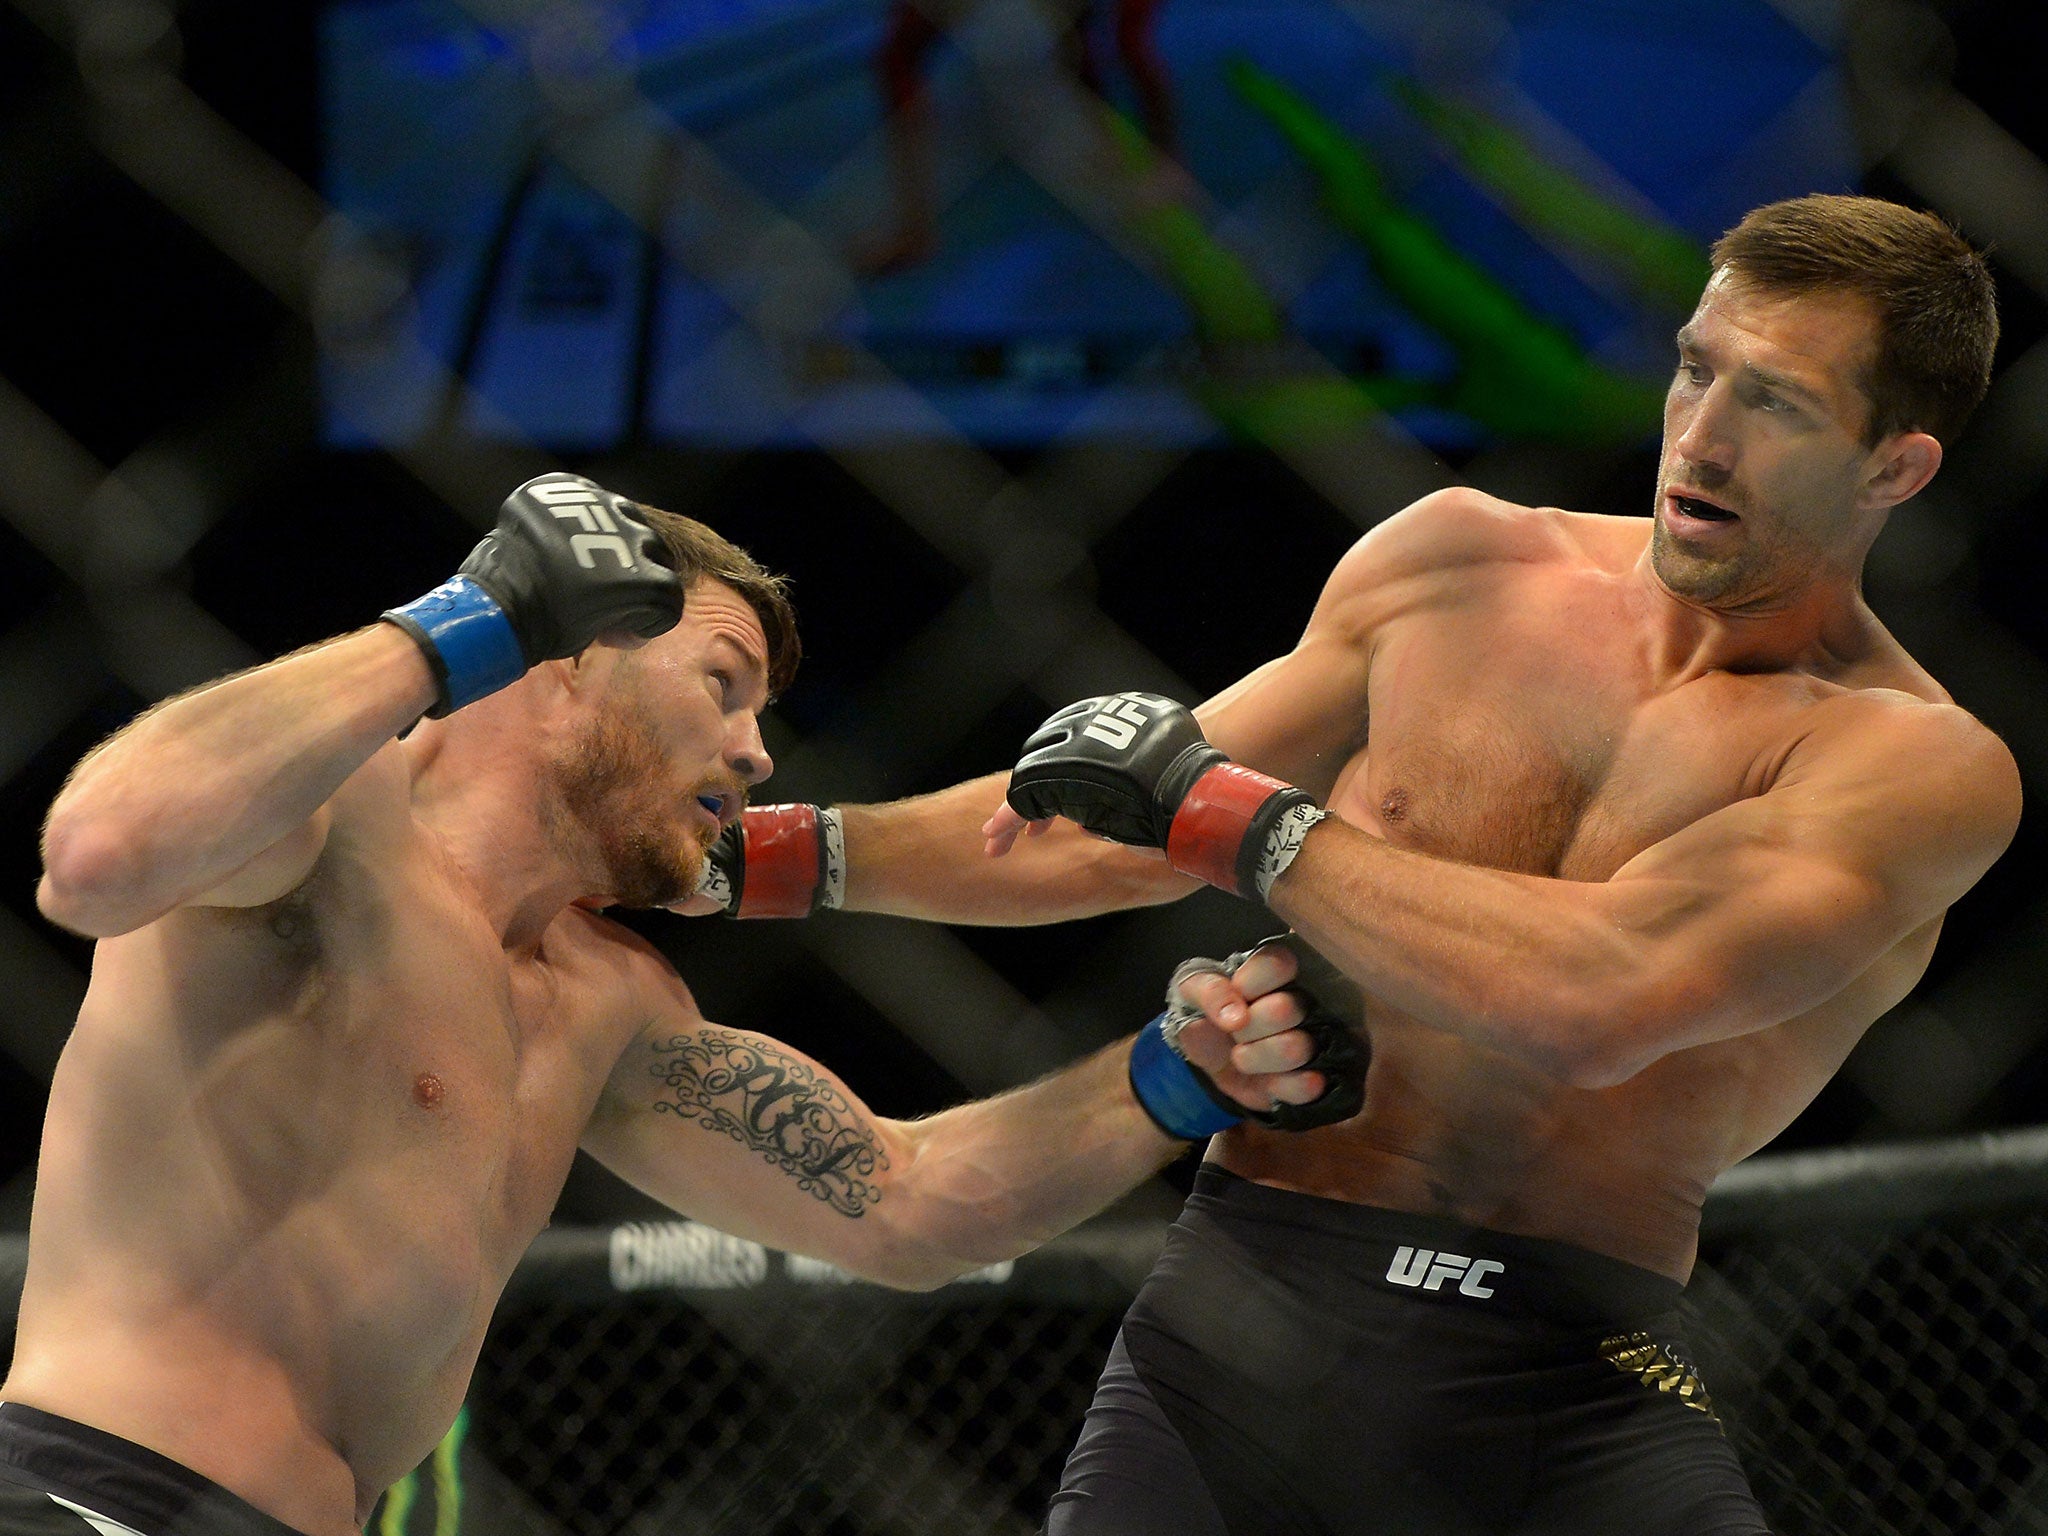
{"x": 166, "y": 513}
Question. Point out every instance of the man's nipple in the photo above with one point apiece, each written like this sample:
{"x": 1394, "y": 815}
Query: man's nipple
{"x": 427, "y": 1090}
{"x": 1395, "y": 806}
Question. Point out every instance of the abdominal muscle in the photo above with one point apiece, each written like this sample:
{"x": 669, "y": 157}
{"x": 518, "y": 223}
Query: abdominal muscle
{"x": 305, "y": 1365}
{"x": 1460, "y": 1130}
{"x": 1454, "y": 1130}
{"x": 248, "y": 1415}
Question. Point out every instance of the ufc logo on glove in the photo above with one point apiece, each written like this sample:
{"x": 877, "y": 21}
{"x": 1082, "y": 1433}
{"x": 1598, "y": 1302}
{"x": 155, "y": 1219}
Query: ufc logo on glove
{"x": 600, "y": 531}
{"x": 1135, "y": 768}
{"x": 1117, "y": 726}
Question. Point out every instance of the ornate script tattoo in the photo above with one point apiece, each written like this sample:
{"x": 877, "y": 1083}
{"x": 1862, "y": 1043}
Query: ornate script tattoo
{"x": 764, "y": 1099}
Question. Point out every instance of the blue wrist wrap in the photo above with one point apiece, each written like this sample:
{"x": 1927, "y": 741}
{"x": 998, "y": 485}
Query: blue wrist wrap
{"x": 467, "y": 638}
{"x": 1168, "y": 1090}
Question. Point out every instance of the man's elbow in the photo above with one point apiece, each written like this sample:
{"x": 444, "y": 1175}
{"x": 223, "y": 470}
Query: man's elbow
{"x": 1600, "y": 1062}
{"x": 1570, "y": 1047}
{"x": 930, "y": 1244}
{"x": 87, "y": 875}
{"x": 1601, "y": 1036}
{"x": 910, "y": 1265}
{"x": 1594, "y": 1029}
{"x": 899, "y": 1273}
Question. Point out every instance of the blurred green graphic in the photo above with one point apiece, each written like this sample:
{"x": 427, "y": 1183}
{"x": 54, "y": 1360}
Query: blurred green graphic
{"x": 1519, "y": 375}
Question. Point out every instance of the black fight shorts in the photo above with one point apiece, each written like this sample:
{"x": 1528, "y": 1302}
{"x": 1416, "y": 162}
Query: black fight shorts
{"x": 60, "y": 1478}
{"x": 1296, "y": 1366}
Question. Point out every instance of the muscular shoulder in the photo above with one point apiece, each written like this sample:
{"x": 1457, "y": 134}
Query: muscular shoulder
{"x": 1447, "y": 546}
{"x": 1460, "y": 530}
{"x": 598, "y": 953}
{"x": 1927, "y": 758}
{"x": 1935, "y": 737}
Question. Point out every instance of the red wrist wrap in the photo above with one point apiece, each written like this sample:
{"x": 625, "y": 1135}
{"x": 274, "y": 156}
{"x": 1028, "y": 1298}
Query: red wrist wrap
{"x": 1210, "y": 827}
{"x": 785, "y": 860}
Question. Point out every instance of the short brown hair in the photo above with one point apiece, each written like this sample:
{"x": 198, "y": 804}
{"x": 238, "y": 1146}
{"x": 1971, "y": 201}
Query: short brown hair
{"x": 1937, "y": 308}
{"x": 700, "y": 551}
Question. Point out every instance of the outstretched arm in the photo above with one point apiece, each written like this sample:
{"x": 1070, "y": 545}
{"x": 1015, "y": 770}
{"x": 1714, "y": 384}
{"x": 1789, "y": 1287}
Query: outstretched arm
{"x": 926, "y": 858}
{"x": 763, "y": 1142}
{"x": 954, "y": 856}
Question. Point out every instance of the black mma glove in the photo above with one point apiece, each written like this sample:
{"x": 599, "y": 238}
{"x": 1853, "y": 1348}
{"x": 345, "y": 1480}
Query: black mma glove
{"x": 1135, "y": 767}
{"x": 568, "y": 561}
{"x": 777, "y": 861}
{"x": 1184, "y": 1101}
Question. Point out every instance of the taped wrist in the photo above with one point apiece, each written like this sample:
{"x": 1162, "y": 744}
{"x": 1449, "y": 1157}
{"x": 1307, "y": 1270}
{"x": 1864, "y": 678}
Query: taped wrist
{"x": 1239, "y": 830}
{"x": 791, "y": 862}
{"x": 1175, "y": 1093}
{"x": 467, "y": 640}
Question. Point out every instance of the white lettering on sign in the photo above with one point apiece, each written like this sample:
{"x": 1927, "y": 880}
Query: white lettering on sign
{"x": 649, "y": 1255}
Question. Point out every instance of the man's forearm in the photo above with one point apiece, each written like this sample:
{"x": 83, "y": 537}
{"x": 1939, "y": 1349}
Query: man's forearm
{"x": 924, "y": 858}
{"x": 996, "y": 1178}
{"x": 1537, "y": 969}
{"x": 195, "y": 789}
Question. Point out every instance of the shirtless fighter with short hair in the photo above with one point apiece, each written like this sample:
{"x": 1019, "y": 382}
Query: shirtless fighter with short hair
{"x": 1633, "y": 828}
{"x": 354, "y": 1008}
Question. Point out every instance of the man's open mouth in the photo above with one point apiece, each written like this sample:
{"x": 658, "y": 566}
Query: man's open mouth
{"x": 1703, "y": 511}
{"x": 715, "y": 804}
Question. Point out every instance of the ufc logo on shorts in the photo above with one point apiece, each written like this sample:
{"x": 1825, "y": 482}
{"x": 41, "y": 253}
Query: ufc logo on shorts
{"x": 1427, "y": 1269}
{"x": 1117, "y": 726}
{"x": 575, "y": 503}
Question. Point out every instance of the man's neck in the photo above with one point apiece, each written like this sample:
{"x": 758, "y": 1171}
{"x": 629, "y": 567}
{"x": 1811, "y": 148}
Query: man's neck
{"x": 486, "y": 808}
{"x": 1816, "y": 627}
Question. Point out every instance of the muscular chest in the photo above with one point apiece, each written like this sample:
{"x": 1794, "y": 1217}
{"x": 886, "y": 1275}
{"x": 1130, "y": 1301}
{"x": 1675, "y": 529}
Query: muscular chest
{"x": 1544, "y": 749}
{"x": 480, "y": 1067}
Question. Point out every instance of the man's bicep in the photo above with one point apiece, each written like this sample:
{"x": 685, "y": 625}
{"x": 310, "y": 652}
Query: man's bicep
{"x": 1748, "y": 934}
{"x": 747, "y": 1134}
{"x": 1771, "y": 905}
{"x": 1300, "y": 717}
{"x": 1914, "y": 799}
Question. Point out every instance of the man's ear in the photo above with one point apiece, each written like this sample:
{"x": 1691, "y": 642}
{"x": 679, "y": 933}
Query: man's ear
{"x": 1901, "y": 466}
